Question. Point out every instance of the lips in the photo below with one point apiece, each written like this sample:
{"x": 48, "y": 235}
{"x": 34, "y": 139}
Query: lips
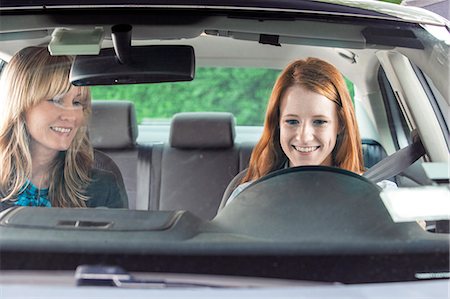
{"x": 305, "y": 149}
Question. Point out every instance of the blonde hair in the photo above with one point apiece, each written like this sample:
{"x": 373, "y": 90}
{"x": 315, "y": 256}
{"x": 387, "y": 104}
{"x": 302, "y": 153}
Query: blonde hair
{"x": 30, "y": 77}
{"x": 317, "y": 76}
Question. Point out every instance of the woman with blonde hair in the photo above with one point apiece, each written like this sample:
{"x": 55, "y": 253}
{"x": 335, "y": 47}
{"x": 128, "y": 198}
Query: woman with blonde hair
{"x": 310, "y": 120}
{"x": 46, "y": 158}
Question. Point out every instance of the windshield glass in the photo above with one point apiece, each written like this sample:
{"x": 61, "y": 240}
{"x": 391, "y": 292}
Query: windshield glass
{"x": 243, "y": 92}
{"x": 292, "y": 144}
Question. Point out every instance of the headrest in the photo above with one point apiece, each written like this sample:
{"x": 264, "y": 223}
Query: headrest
{"x": 113, "y": 125}
{"x": 202, "y": 130}
{"x": 373, "y": 152}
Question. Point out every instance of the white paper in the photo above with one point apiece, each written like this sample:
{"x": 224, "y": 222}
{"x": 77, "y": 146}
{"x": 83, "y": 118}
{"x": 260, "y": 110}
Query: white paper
{"x": 418, "y": 203}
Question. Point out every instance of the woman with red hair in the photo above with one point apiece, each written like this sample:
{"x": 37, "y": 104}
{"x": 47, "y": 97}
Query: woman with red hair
{"x": 315, "y": 85}
{"x": 310, "y": 120}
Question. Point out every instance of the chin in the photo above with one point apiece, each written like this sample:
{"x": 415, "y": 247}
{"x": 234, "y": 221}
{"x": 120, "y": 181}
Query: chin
{"x": 62, "y": 148}
{"x": 305, "y": 164}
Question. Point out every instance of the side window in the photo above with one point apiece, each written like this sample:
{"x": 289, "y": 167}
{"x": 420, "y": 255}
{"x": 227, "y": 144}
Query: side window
{"x": 2, "y": 65}
{"x": 440, "y": 106}
{"x": 399, "y": 127}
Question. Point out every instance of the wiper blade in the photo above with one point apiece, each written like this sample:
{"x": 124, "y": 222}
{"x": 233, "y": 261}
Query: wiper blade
{"x": 115, "y": 276}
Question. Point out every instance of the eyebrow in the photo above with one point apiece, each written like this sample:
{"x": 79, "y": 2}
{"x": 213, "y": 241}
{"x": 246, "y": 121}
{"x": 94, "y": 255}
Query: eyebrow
{"x": 314, "y": 116}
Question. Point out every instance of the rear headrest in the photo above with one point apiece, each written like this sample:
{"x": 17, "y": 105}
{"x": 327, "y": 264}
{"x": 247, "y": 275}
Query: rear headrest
{"x": 113, "y": 125}
{"x": 202, "y": 130}
{"x": 373, "y": 152}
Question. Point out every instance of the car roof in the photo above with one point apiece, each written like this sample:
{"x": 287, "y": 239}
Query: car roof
{"x": 360, "y": 8}
{"x": 343, "y": 43}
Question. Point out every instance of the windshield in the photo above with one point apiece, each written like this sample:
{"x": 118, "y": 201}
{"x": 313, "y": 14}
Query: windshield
{"x": 295, "y": 145}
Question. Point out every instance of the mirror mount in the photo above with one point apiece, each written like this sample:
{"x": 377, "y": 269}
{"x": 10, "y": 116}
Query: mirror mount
{"x": 121, "y": 38}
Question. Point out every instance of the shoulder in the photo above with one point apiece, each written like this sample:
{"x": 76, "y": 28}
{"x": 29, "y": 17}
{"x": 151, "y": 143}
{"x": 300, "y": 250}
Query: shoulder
{"x": 103, "y": 191}
{"x": 386, "y": 184}
{"x": 100, "y": 176}
{"x": 6, "y": 204}
{"x": 238, "y": 190}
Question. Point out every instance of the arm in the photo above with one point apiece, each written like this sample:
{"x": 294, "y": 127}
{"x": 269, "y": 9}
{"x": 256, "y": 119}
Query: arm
{"x": 104, "y": 191}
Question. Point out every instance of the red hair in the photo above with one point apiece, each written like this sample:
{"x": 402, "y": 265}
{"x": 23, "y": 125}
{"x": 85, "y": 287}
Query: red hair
{"x": 323, "y": 78}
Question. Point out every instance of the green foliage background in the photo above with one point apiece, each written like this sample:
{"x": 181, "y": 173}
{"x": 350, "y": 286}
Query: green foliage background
{"x": 243, "y": 92}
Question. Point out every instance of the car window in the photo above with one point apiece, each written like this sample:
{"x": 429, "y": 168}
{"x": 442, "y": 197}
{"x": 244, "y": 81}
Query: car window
{"x": 440, "y": 106}
{"x": 244, "y": 92}
{"x": 2, "y": 65}
{"x": 400, "y": 129}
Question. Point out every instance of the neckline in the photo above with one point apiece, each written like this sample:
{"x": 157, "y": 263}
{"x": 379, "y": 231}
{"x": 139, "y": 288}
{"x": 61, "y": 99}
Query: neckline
{"x": 33, "y": 188}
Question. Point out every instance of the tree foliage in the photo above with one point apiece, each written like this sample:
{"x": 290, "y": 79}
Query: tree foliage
{"x": 243, "y": 92}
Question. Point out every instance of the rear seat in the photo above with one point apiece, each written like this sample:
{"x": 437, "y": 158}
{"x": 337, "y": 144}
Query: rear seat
{"x": 192, "y": 171}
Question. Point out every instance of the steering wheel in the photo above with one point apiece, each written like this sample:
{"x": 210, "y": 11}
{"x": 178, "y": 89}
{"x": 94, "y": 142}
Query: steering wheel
{"x": 307, "y": 203}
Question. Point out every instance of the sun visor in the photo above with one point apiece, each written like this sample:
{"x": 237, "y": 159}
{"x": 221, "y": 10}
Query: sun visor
{"x": 76, "y": 41}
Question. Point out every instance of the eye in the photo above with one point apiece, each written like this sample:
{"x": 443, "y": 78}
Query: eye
{"x": 55, "y": 100}
{"x": 77, "y": 103}
{"x": 291, "y": 122}
{"x": 319, "y": 122}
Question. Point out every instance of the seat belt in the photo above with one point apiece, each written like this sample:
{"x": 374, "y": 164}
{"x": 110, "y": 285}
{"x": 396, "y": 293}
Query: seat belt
{"x": 143, "y": 176}
{"x": 397, "y": 162}
{"x": 149, "y": 176}
{"x": 155, "y": 182}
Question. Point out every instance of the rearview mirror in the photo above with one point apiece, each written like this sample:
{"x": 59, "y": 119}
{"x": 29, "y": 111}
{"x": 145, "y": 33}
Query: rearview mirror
{"x": 146, "y": 64}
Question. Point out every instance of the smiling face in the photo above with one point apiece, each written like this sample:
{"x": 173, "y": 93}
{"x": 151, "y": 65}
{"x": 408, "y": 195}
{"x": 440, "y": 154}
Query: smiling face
{"x": 53, "y": 123}
{"x": 308, "y": 127}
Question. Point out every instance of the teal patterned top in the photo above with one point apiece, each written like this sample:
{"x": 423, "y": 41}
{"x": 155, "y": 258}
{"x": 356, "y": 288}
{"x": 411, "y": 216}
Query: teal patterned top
{"x": 103, "y": 191}
{"x": 32, "y": 196}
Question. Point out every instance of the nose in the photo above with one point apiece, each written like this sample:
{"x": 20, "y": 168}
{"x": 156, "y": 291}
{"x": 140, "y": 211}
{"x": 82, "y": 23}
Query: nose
{"x": 305, "y": 133}
{"x": 67, "y": 114}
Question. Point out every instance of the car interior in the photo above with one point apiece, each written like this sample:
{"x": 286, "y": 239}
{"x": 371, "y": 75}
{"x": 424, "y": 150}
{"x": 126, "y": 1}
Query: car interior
{"x": 201, "y": 146}
{"x": 311, "y": 223}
